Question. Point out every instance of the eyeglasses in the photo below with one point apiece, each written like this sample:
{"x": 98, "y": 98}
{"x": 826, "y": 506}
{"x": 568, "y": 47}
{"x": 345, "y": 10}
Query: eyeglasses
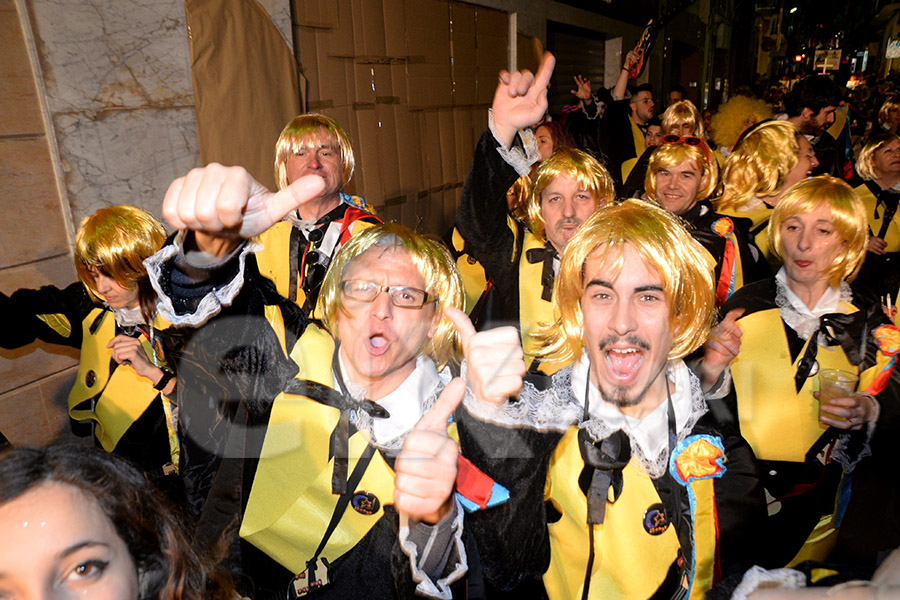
{"x": 688, "y": 140}
{"x": 401, "y": 296}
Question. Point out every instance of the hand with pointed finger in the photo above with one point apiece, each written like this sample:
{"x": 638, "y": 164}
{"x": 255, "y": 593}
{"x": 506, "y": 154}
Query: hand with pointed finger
{"x": 721, "y": 347}
{"x": 495, "y": 361}
{"x": 129, "y": 351}
{"x": 425, "y": 470}
{"x": 226, "y": 202}
{"x": 521, "y": 99}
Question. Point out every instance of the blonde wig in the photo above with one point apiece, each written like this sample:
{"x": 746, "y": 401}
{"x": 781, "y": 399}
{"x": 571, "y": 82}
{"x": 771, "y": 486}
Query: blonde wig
{"x": 661, "y": 240}
{"x": 431, "y": 258}
{"x": 848, "y": 215}
{"x": 580, "y": 166}
{"x": 889, "y": 103}
{"x": 735, "y": 116}
{"x": 683, "y": 111}
{"x": 864, "y": 162}
{"x": 519, "y": 192}
{"x": 759, "y": 164}
{"x": 115, "y": 241}
{"x": 311, "y": 130}
{"x": 670, "y": 155}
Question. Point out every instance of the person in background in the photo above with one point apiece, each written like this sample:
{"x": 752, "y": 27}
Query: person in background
{"x": 879, "y": 167}
{"x": 734, "y": 118}
{"x": 810, "y": 105}
{"x": 86, "y": 524}
{"x": 297, "y": 251}
{"x": 124, "y": 375}
{"x": 769, "y": 158}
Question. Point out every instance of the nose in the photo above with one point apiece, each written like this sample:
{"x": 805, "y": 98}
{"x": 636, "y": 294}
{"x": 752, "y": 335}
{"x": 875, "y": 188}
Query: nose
{"x": 568, "y": 208}
{"x": 623, "y": 318}
{"x": 382, "y": 308}
{"x": 101, "y": 282}
{"x": 805, "y": 240}
{"x": 813, "y": 161}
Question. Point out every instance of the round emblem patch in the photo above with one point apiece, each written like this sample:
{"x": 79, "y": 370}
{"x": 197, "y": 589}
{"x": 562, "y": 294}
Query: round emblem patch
{"x": 365, "y": 503}
{"x": 656, "y": 521}
{"x": 90, "y": 378}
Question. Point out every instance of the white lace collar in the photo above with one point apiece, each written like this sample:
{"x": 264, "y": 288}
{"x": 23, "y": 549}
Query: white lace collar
{"x": 651, "y": 434}
{"x": 128, "y": 317}
{"x": 797, "y": 315}
{"x": 406, "y": 404}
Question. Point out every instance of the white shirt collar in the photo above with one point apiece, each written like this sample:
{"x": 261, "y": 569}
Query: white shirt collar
{"x": 828, "y": 303}
{"x": 404, "y": 403}
{"x": 652, "y": 432}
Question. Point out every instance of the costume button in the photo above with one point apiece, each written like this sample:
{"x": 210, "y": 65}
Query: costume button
{"x": 315, "y": 235}
{"x": 656, "y": 521}
{"x": 365, "y": 503}
{"x": 90, "y": 378}
{"x": 773, "y": 472}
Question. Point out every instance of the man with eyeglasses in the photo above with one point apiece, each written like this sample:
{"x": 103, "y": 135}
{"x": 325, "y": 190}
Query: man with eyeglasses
{"x": 681, "y": 177}
{"x": 354, "y": 481}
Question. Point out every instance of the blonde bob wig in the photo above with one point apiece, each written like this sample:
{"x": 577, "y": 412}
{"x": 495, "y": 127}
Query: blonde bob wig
{"x": 759, "y": 164}
{"x": 114, "y": 241}
{"x": 864, "y": 162}
{"x": 848, "y": 215}
{"x": 431, "y": 258}
{"x": 889, "y": 103}
{"x": 735, "y": 116}
{"x": 670, "y": 155}
{"x": 580, "y": 166}
{"x": 661, "y": 240}
{"x": 683, "y": 111}
{"x": 311, "y": 130}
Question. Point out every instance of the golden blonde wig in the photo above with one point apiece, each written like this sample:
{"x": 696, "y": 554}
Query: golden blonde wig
{"x": 520, "y": 192}
{"x": 661, "y": 240}
{"x": 311, "y": 130}
{"x": 889, "y": 103}
{"x": 670, "y": 155}
{"x": 864, "y": 162}
{"x": 114, "y": 241}
{"x": 431, "y": 258}
{"x": 683, "y": 111}
{"x": 580, "y": 166}
{"x": 848, "y": 215}
{"x": 735, "y": 116}
{"x": 759, "y": 164}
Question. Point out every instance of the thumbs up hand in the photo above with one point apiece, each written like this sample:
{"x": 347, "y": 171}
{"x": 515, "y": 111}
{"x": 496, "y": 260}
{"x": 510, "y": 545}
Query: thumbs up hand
{"x": 425, "y": 470}
{"x": 495, "y": 361}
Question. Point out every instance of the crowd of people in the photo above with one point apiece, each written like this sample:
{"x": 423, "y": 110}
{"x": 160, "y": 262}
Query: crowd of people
{"x": 611, "y": 380}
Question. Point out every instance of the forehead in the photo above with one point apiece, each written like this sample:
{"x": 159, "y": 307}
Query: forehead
{"x": 542, "y": 130}
{"x": 564, "y": 182}
{"x": 821, "y": 213}
{"x": 621, "y": 266}
{"x": 686, "y": 166}
{"x": 805, "y": 146}
{"x": 642, "y": 96}
{"x": 388, "y": 265}
{"x": 318, "y": 137}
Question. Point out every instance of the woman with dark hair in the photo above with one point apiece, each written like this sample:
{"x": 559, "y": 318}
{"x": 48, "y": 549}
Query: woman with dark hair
{"x": 77, "y": 521}
{"x": 123, "y": 375}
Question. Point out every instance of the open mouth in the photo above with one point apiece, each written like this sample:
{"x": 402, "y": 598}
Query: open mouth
{"x": 623, "y": 363}
{"x": 377, "y": 344}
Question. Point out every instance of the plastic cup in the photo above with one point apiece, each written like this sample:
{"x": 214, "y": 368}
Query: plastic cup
{"x": 836, "y": 383}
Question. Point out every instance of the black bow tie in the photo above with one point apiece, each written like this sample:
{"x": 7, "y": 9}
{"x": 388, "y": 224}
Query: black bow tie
{"x": 604, "y": 462}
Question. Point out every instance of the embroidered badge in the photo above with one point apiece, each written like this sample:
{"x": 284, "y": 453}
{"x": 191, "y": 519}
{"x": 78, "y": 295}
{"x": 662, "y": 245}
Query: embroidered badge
{"x": 723, "y": 227}
{"x": 314, "y": 577}
{"x": 90, "y": 378}
{"x": 700, "y": 458}
{"x": 888, "y": 339}
{"x": 365, "y": 503}
{"x": 656, "y": 521}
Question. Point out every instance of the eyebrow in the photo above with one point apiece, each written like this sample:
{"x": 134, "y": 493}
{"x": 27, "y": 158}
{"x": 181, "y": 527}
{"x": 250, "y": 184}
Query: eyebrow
{"x": 71, "y": 550}
{"x": 641, "y": 288}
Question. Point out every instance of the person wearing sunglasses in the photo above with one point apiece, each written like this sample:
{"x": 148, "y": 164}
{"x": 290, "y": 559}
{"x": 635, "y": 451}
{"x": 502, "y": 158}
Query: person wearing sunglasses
{"x": 681, "y": 177}
{"x": 681, "y": 119}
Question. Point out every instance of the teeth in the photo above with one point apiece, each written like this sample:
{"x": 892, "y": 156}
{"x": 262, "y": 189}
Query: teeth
{"x": 624, "y": 351}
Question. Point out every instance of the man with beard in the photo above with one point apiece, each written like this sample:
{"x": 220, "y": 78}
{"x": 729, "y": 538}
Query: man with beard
{"x": 810, "y": 105}
{"x": 568, "y": 187}
{"x": 622, "y": 483}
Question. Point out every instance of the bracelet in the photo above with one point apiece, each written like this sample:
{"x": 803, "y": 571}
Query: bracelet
{"x": 164, "y": 380}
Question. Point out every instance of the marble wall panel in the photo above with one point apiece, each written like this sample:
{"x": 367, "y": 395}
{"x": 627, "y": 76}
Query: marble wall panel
{"x": 280, "y": 13}
{"x": 36, "y": 414}
{"x": 113, "y": 53}
{"x": 125, "y": 156}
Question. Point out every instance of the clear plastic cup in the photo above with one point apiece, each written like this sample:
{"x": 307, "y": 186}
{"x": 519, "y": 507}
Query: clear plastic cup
{"x": 836, "y": 383}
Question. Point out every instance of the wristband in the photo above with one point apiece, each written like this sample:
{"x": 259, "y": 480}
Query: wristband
{"x": 164, "y": 380}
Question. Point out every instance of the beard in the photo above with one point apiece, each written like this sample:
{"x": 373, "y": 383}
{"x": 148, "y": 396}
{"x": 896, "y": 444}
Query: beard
{"x": 632, "y": 394}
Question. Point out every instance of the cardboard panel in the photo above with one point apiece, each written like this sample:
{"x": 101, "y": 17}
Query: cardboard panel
{"x": 373, "y": 83}
{"x": 388, "y": 151}
{"x": 491, "y": 46}
{"x": 367, "y": 160}
{"x": 462, "y": 48}
{"x": 368, "y": 28}
{"x": 335, "y": 82}
{"x": 428, "y": 38}
{"x": 449, "y": 171}
{"x": 431, "y": 149}
{"x": 462, "y": 124}
{"x": 315, "y": 13}
{"x": 338, "y": 41}
{"x": 308, "y": 59}
{"x": 394, "y": 28}
{"x": 409, "y": 163}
